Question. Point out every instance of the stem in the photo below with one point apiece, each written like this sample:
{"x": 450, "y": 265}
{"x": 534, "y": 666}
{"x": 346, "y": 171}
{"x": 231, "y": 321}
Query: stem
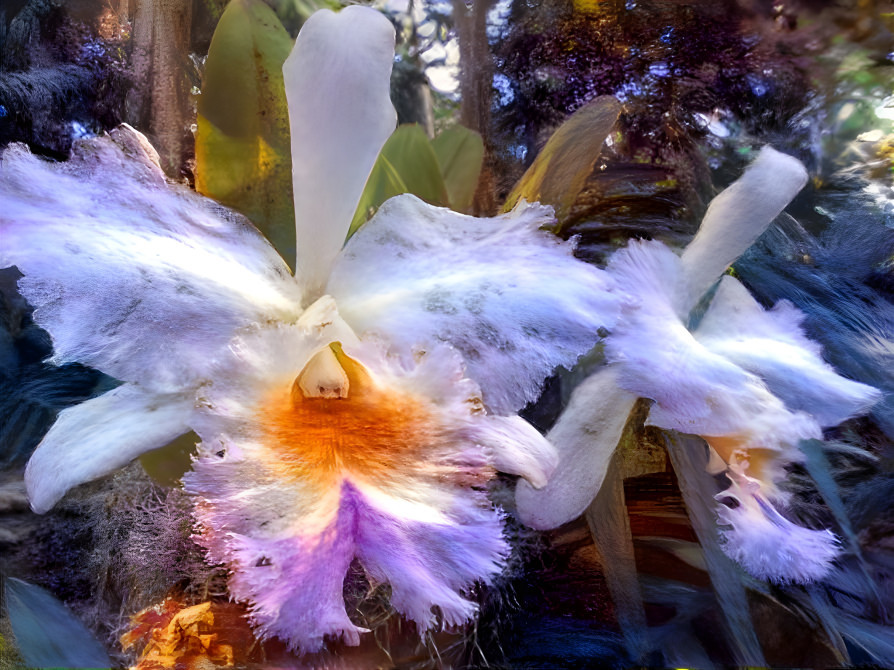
{"x": 689, "y": 457}
{"x": 610, "y": 528}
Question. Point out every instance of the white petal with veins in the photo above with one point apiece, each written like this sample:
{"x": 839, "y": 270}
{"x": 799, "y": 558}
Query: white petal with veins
{"x": 772, "y": 345}
{"x": 695, "y": 390}
{"x": 509, "y": 296}
{"x": 143, "y": 281}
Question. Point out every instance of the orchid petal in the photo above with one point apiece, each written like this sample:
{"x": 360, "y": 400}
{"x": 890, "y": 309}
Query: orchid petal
{"x": 294, "y": 581}
{"x": 585, "y": 436}
{"x": 101, "y": 435}
{"x": 340, "y": 113}
{"x": 291, "y": 487}
{"x": 511, "y": 298}
{"x": 516, "y": 447}
{"x": 738, "y": 216}
{"x": 427, "y": 563}
{"x": 143, "y": 281}
{"x": 695, "y": 390}
{"x": 772, "y": 345}
{"x": 765, "y": 543}
{"x": 513, "y": 445}
{"x": 292, "y": 574}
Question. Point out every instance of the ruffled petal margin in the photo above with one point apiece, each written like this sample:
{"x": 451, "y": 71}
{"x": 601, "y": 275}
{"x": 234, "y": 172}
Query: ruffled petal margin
{"x": 510, "y": 297}
{"x": 772, "y": 345}
{"x": 144, "y": 281}
{"x": 290, "y": 489}
{"x": 695, "y": 390}
{"x": 765, "y": 543}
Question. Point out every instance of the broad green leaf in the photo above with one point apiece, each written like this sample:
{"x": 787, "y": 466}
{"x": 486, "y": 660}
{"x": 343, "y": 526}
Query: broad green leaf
{"x": 406, "y": 164}
{"x": 559, "y": 172}
{"x": 459, "y": 152}
{"x": 47, "y": 634}
{"x": 243, "y": 153}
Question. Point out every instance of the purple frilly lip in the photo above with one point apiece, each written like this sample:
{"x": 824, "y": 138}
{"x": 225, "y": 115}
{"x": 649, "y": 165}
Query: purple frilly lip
{"x": 294, "y": 584}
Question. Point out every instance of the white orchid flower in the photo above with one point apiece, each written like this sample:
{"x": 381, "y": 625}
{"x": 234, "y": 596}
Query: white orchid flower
{"x": 746, "y": 379}
{"x": 336, "y": 415}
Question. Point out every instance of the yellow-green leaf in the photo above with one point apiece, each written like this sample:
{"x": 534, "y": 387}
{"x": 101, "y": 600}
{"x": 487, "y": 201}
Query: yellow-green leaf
{"x": 559, "y": 172}
{"x": 459, "y": 151}
{"x": 167, "y": 464}
{"x": 243, "y": 153}
{"x": 406, "y": 164}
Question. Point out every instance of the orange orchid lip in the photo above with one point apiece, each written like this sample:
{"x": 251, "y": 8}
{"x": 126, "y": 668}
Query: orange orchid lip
{"x": 364, "y": 431}
{"x": 739, "y": 449}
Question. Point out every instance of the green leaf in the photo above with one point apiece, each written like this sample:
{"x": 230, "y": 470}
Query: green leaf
{"x": 819, "y": 468}
{"x": 406, "y": 164}
{"x": 293, "y": 13}
{"x": 47, "y": 634}
{"x": 459, "y": 152}
{"x": 559, "y": 172}
{"x": 167, "y": 464}
{"x": 610, "y": 527}
{"x": 243, "y": 151}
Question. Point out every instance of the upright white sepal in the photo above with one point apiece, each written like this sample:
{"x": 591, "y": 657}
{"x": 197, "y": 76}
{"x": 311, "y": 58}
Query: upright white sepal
{"x": 340, "y": 114}
{"x": 738, "y": 216}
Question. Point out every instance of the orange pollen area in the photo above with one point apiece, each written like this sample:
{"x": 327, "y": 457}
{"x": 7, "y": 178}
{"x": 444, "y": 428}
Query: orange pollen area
{"x": 729, "y": 448}
{"x": 360, "y": 428}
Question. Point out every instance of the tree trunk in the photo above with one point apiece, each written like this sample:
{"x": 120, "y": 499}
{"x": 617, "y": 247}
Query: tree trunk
{"x": 159, "y": 103}
{"x": 476, "y": 85}
{"x": 410, "y": 90}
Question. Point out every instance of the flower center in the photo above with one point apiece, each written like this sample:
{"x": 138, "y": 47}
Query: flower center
{"x": 337, "y": 419}
{"x": 730, "y": 449}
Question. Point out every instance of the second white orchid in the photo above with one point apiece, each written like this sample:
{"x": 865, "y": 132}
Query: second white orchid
{"x": 744, "y": 378}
